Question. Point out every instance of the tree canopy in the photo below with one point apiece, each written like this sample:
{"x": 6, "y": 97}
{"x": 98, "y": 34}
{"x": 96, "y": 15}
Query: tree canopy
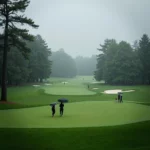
{"x": 63, "y": 65}
{"x": 34, "y": 69}
{"x": 121, "y": 63}
{"x": 11, "y": 15}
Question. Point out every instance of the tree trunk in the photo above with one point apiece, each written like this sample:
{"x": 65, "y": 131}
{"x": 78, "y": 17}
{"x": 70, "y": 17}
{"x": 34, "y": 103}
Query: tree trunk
{"x": 4, "y": 65}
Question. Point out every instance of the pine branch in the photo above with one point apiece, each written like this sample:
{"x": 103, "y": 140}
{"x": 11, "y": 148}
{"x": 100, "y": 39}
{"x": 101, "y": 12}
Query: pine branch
{"x": 18, "y": 6}
{"x": 22, "y": 33}
{"x": 2, "y": 11}
{"x": 21, "y": 45}
{"x": 23, "y": 20}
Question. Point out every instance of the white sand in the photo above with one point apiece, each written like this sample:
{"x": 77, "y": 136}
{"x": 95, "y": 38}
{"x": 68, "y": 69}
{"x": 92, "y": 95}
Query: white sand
{"x": 47, "y": 84}
{"x": 112, "y": 91}
{"x": 129, "y": 91}
{"x": 36, "y": 85}
{"x": 116, "y": 91}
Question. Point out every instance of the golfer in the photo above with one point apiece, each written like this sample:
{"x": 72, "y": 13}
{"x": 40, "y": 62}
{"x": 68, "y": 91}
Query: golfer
{"x": 118, "y": 96}
{"x": 61, "y": 108}
{"x": 121, "y": 101}
{"x": 53, "y": 110}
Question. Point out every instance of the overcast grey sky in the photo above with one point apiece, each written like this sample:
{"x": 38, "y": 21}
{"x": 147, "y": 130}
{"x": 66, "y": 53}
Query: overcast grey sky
{"x": 79, "y": 26}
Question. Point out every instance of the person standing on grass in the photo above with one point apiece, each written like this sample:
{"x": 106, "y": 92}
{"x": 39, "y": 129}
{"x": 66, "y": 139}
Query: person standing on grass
{"x": 61, "y": 108}
{"x": 121, "y": 101}
{"x": 53, "y": 110}
{"x": 118, "y": 96}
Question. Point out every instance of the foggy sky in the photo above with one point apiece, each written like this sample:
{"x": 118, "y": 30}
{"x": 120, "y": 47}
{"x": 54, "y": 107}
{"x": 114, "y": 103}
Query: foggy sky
{"x": 79, "y": 26}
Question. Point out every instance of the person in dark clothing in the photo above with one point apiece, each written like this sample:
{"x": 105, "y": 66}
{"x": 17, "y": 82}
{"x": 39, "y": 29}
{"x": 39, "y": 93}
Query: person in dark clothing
{"x": 53, "y": 110}
{"x": 121, "y": 101}
{"x": 61, "y": 108}
{"x": 118, "y": 97}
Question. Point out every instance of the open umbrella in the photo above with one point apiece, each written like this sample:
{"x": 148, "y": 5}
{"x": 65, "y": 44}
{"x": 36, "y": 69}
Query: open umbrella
{"x": 64, "y": 100}
{"x": 52, "y": 104}
{"x": 119, "y": 92}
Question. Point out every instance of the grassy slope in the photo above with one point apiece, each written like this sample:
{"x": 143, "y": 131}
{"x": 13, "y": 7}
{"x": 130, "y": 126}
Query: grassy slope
{"x": 125, "y": 137}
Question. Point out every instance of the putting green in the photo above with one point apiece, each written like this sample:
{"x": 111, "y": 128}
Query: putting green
{"x": 80, "y": 114}
{"x": 68, "y": 90}
{"x": 75, "y": 86}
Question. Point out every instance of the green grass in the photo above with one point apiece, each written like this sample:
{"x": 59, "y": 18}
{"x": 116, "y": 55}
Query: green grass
{"x": 125, "y": 137}
{"x": 121, "y": 137}
{"x": 81, "y": 114}
{"x": 75, "y": 86}
{"x": 29, "y": 96}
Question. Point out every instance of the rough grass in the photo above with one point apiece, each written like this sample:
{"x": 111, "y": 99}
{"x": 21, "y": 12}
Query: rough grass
{"x": 124, "y": 137}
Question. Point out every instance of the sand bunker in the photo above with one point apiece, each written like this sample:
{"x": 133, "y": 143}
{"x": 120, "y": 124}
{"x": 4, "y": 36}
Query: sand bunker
{"x": 116, "y": 91}
{"x": 112, "y": 91}
{"x": 36, "y": 85}
{"x": 129, "y": 91}
{"x": 47, "y": 84}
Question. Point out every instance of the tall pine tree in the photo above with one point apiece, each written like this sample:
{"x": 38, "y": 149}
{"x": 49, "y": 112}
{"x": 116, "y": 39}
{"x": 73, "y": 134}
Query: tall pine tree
{"x": 10, "y": 17}
{"x": 144, "y": 55}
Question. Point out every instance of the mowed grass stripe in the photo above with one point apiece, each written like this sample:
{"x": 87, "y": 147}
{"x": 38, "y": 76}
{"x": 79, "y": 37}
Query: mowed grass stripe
{"x": 81, "y": 114}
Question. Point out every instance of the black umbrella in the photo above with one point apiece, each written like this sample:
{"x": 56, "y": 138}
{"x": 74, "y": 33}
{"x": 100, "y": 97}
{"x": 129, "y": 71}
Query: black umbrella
{"x": 64, "y": 100}
{"x": 52, "y": 104}
{"x": 119, "y": 92}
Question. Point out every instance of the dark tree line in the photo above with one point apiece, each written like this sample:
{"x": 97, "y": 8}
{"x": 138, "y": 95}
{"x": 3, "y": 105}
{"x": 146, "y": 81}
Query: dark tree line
{"x": 63, "y": 65}
{"x": 121, "y": 63}
{"x": 36, "y": 68}
{"x": 11, "y": 15}
{"x": 39, "y": 63}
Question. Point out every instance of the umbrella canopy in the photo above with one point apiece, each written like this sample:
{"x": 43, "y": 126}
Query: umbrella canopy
{"x": 119, "y": 92}
{"x": 64, "y": 100}
{"x": 52, "y": 104}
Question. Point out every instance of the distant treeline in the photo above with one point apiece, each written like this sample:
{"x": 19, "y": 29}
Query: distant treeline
{"x": 40, "y": 63}
{"x": 63, "y": 65}
{"x": 121, "y": 63}
{"x": 34, "y": 67}
{"x": 117, "y": 63}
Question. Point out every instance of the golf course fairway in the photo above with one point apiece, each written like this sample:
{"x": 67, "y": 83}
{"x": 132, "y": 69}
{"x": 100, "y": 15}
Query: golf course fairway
{"x": 79, "y": 114}
{"x": 68, "y": 90}
{"x": 74, "y": 86}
